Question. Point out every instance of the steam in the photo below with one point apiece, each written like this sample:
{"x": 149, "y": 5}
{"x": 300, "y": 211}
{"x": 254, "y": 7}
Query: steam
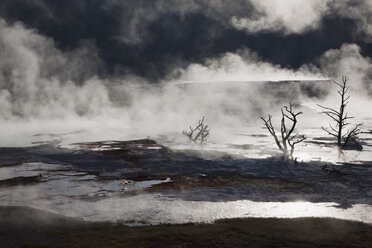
{"x": 42, "y": 86}
{"x": 244, "y": 66}
{"x": 254, "y": 16}
{"x": 287, "y": 16}
{"x": 300, "y": 16}
{"x": 40, "y": 81}
{"x": 37, "y": 80}
{"x": 348, "y": 61}
{"x": 360, "y": 11}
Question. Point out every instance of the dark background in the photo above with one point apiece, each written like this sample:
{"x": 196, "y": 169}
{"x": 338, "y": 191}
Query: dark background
{"x": 136, "y": 37}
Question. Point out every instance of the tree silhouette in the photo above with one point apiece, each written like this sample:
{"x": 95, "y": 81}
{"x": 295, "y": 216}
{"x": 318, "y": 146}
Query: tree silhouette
{"x": 288, "y": 140}
{"x": 198, "y": 133}
{"x": 340, "y": 118}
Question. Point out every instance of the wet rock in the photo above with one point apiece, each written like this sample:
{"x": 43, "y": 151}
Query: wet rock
{"x": 21, "y": 180}
{"x": 354, "y": 145}
{"x": 220, "y": 180}
{"x": 10, "y": 164}
{"x": 114, "y": 144}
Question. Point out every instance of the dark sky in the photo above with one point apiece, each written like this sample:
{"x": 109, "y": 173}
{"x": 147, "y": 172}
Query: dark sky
{"x": 152, "y": 38}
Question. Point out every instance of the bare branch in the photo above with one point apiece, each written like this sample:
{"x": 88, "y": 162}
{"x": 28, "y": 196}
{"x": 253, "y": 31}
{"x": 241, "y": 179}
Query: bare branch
{"x": 199, "y": 133}
{"x": 351, "y": 134}
{"x": 330, "y": 109}
{"x": 271, "y": 129}
{"x": 330, "y": 133}
{"x": 287, "y": 137}
{"x": 337, "y": 84}
{"x": 330, "y": 116}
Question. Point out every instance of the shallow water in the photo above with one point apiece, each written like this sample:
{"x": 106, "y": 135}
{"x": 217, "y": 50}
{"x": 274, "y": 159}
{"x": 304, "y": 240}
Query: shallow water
{"x": 79, "y": 181}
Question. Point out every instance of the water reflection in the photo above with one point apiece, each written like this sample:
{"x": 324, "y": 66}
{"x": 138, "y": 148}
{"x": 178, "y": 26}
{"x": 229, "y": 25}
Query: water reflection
{"x": 156, "y": 208}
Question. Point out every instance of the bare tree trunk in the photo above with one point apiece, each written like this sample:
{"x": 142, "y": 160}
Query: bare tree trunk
{"x": 288, "y": 139}
{"x": 340, "y": 118}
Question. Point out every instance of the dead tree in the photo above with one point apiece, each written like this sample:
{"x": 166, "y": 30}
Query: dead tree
{"x": 287, "y": 141}
{"x": 341, "y": 119}
{"x": 198, "y": 133}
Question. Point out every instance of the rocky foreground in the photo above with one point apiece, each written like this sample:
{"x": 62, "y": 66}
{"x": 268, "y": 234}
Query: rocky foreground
{"x": 138, "y": 193}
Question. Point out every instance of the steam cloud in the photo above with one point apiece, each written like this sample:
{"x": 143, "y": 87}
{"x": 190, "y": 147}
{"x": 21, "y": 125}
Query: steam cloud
{"x": 151, "y": 39}
{"x": 38, "y": 80}
{"x": 44, "y": 76}
{"x": 288, "y": 16}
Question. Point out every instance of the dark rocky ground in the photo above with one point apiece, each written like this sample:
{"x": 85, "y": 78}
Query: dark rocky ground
{"x": 254, "y": 179}
{"x": 211, "y": 176}
{"x": 26, "y": 227}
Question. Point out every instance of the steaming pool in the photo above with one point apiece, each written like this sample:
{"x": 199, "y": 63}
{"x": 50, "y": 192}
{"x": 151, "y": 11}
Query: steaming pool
{"x": 145, "y": 181}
